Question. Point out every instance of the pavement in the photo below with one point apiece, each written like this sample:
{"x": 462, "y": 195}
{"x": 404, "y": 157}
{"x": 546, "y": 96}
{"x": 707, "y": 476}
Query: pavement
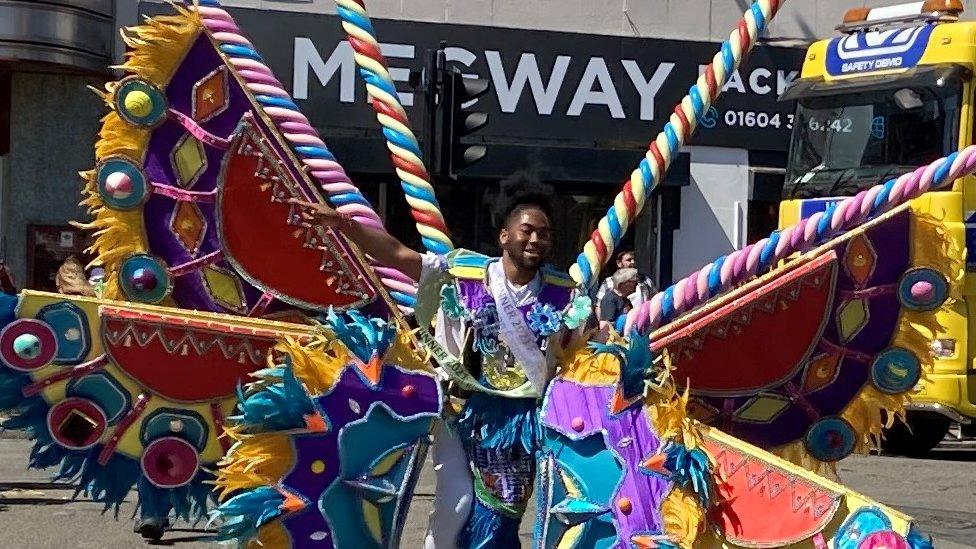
{"x": 939, "y": 492}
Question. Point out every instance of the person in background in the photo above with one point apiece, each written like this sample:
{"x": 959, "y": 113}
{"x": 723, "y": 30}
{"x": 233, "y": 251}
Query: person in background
{"x": 627, "y": 259}
{"x": 615, "y": 302}
{"x": 71, "y": 279}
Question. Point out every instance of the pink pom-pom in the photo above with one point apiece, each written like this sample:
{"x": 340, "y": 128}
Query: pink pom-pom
{"x": 118, "y": 184}
{"x": 922, "y": 290}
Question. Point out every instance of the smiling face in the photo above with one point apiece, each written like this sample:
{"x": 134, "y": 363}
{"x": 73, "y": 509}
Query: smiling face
{"x": 527, "y": 238}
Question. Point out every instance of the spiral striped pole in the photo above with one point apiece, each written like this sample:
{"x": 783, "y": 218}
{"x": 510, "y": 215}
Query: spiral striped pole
{"x": 304, "y": 141}
{"x": 729, "y": 271}
{"x": 400, "y": 139}
{"x": 654, "y": 166}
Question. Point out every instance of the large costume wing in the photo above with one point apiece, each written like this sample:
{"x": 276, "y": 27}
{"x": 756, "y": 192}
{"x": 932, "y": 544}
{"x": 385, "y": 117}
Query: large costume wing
{"x": 814, "y": 360}
{"x": 648, "y": 475}
{"x": 331, "y": 442}
{"x": 197, "y": 160}
{"x": 121, "y": 395}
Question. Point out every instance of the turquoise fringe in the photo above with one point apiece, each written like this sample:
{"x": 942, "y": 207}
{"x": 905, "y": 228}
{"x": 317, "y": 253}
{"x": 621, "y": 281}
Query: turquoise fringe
{"x": 498, "y": 423}
{"x": 489, "y": 529}
{"x": 245, "y": 513}
{"x": 363, "y": 336}
{"x": 690, "y": 469}
{"x": 635, "y": 362}
{"x": 190, "y": 502}
{"x": 276, "y": 407}
{"x": 109, "y": 484}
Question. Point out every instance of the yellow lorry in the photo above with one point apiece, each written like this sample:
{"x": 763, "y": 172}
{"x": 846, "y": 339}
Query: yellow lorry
{"x": 894, "y": 91}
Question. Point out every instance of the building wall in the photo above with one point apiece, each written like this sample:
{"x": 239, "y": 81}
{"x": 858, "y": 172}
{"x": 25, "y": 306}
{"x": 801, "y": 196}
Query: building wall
{"x": 713, "y": 208}
{"x": 679, "y": 19}
{"x": 53, "y": 125}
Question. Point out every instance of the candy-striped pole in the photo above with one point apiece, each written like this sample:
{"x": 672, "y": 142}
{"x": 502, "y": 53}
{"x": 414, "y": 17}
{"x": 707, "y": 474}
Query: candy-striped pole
{"x": 728, "y": 271}
{"x": 400, "y": 139}
{"x": 654, "y": 166}
{"x": 304, "y": 141}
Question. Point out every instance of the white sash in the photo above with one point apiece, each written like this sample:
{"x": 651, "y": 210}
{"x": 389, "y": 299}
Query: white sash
{"x": 515, "y": 333}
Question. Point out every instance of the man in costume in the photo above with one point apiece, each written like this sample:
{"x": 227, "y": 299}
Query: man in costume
{"x": 498, "y": 316}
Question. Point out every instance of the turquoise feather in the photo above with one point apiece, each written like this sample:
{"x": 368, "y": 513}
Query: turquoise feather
{"x": 248, "y": 511}
{"x": 363, "y": 337}
{"x": 690, "y": 467}
{"x": 189, "y": 502}
{"x": 500, "y": 423}
{"x": 635, "y": 362}
{"x": 276, "y": 407}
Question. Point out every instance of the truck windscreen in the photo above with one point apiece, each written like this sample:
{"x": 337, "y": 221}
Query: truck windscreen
{"x": 845, "y": 143}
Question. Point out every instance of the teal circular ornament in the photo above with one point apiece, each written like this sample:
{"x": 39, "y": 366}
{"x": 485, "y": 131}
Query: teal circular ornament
{"x": 145, "y": 279}
{"x": 27, "y": 346}
{"x": 830, "y": 439}
{"x": 923, "y": 289}
{"x": 140, "y": 103}
{"x": 895, "y": 370}
{"x": 121, "y": 183}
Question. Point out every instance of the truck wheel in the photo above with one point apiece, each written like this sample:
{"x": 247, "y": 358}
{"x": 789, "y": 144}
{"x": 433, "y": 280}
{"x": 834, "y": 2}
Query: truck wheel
{"x": 925, "y": 430}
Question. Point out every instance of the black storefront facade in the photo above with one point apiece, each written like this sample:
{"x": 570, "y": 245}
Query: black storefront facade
{"x": 569, "y": 114}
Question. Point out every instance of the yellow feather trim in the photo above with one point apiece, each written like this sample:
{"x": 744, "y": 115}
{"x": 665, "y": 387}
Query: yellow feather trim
{"x": 936, "y": 248}
{"x": 270, "y": 536}
{"x": 318, "y": 363}
{"x": 119, "y": 138}
{"x": 871, "y": 411}
{"x": 157, "y": 47}
{"x": 256, "y": 460}
{"x": 683, "y": 517}
{"x": 405, "y": 353}
{"x": 579, "y": 363}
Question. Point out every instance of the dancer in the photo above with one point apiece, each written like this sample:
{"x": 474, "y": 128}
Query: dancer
{"x": 498, "y": 315}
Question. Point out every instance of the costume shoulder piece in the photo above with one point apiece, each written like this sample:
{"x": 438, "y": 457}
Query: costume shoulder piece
{"x": 557, "y": 277}
{"x": 466, "y": 264}
{"x": 469, "y": 265}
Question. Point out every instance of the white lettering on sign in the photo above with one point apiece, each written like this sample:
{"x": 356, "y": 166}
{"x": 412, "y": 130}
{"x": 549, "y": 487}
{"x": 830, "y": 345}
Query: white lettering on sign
{"x": 647, "y": 89}
{"x": 872, "y": 64}
{"x": 783, "y": 80}
{"x": 758, "y": 80}
{"x": 596, "y": 70}
{"x": 527, "y": 71}
{"x": 307, "y": 57}
{"x": 547, "y": 85}
{"x": 760, "y": 88}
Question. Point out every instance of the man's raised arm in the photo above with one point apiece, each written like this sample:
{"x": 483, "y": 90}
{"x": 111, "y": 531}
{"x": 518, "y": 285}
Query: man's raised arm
{"x": 380, "y": 245}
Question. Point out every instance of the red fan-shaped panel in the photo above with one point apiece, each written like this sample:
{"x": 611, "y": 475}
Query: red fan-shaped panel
{"x": 303, "y": 267}
{"x": 767, "y": 506}
{"x": 759, "y": 339}
{"x": 181, "y": 359}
